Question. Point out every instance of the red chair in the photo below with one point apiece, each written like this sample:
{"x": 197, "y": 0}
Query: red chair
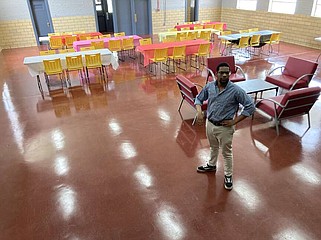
{"x": 189, "y": 92}
{"x": 297, "y": 73}
{"x": 293, "y": 103}
{"x": 237, "y": 74}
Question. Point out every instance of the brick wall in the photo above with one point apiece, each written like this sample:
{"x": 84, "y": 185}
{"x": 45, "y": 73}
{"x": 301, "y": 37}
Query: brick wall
{"x": 18, "y": 33}
{"x": 298, "y": 29}
{"x": 171, "y": 19}
{"x": 213, "y": 14}
{"x": 77, "y": 23}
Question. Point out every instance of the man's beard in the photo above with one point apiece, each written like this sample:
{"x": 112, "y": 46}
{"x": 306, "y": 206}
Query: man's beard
{"x": 223, "y": 84}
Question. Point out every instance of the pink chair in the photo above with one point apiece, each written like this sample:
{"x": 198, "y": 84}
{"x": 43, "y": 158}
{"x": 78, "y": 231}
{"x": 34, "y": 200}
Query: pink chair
{"x": 237, "y": 74}
{"x": 189, "y": 92}
{"x": 297, "y": 73}
{"x": 293, "y": 103}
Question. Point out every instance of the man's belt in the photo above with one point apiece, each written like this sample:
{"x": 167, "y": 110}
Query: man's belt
{"x": 220, "y": 123}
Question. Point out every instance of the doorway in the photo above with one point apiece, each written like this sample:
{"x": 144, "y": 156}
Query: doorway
{"x": 104, "y": 11}
{"x": 40, "y": 17}
{"x": 191, "y": 10}
{"x": 133, "y": 17}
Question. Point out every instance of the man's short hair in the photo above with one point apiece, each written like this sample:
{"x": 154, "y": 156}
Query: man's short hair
{"x": 223, "y": 64}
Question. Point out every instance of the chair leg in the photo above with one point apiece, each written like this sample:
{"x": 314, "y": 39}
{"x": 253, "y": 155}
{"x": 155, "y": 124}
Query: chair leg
{"x": 180, "y": 105}
{"x": 277, "y": 126}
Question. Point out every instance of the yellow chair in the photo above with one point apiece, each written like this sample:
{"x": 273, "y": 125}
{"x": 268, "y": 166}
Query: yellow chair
{"x": 74, "y": 63}
{"x": 219, "y": 27}
{"x": 79, "y": 32}
{"x": 172, "y": 29}
{"x": 116, "y": 46}
{"x": 145, "y": 41}
{"x": 244, "y": 31}
{"x": 129, "y": 47}
{"x": 92, "y": 37}
{"x": 209, "y": 26}
{"x": 98, "y": 44}
{"x": 169, "y": 39}
{"x": 120, "y": 34}
{"x": 274, "y": 39}
{"x": 192, "y": 35}
{"x": 53, "y": 34}
{"x": 206, "y": 21}
{"x": 179, "y": 54}
{"x": 255, "y": 43}
{"x": 224, "y": 45}
{"x": 70, "y": 40}
{"x": 253, "y": 29}
{"x": 66, "y": 33}
{"x": 188, "y": 22}
{"x": 87, "y": 48}
{"x": 160, "y": 56}
{"x": 243, "y": 43}
{"x": 206, "y": 35}
{"x": 47, "y": 52}
{"x": 93, "y": 61}
{"x": 66, "y": 50}
{"x": 185, "y": 28}
{"x": 105, "y": 36}
{"x": 202, "y": 54}
{"x": 56, "y": 43}
{"x": 198, "y": 27}
{"x": 53, "y": 67}
{"x": 180, "y": 35}
{"x": 83, "y": 36}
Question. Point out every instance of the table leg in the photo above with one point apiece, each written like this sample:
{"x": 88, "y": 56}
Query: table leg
{"x": 40, "y": 86}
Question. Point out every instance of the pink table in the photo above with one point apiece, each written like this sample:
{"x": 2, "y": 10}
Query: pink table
{"x": 87, "y": 43}
{"x": 191, "y": 47}
{"x": 191, "y": 26}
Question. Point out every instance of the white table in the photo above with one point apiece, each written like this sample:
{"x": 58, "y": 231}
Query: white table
{"x": 36, "y": 67}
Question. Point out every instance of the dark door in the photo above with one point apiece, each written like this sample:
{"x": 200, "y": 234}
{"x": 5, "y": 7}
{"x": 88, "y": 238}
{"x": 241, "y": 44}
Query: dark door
{"x": 123, "y": 16}
{"x": 104, "y": 10}
{"x": 41, "y": 17}
{"x": 141, "y": 17}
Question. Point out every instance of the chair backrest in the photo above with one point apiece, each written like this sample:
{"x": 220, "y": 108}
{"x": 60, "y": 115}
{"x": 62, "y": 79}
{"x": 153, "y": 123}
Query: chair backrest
{"x": 120, "y": 34}
{"x": 56, "y": 42}
{"x": 145, "y": 41}
{"x": 209, "y": 26}
{"x": 219, "y": 26}
{"x": 74, "y": 62}
{"x": 114, "y": 45}
{"x": 253, "y": 29}
{"x": 93, "y": 60}
{"x": 180, "y": 35}
{"x": 191, "y": 35}
{"x": 255, "y": 40}
{"x": 92, "y": 37}
{"x": 198, "y": 27}
{"x": 188, "y": 22}
{"x": 244, "y": 42}
{"x": 185, "y": 28}
{"x": 244, "y": 31}
{"x": 83, "y": 36}
{"x": 105, "y": 36}
{"x": 275, "y": 38}
{"x": 128, "y": 43}
{"x": 70, "y": 40}
{"x": 53, "y": 34}
{"x": 169, "y": 39}
{"x": 98, "y": 44}
{"x": 52, "y": 66}
{"x": 204, "y": 49}
{"x": 187, "y": 88}
{"x": 213, "y": 62}
{"x": 87, "y": 48}
{"x": 206, "y": 35}
{"x": 66, "y": 50}
{"x": 172, "y": 29}
{"x": 179, "y": 52}
{"x": 160, "y": 54}
{"x": 298, "y": 102}
{"x": 296, "y": 67}
{"x": 47, "y": 52}
{"x": 79, "y": 32}
{"x": 206, "y": 21}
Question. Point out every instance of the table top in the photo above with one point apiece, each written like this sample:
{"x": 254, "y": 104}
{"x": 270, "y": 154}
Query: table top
{"x": 256, "y": 85}
{"x": 237, "y": 36}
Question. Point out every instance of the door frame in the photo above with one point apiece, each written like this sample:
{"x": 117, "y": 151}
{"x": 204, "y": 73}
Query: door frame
{"x": 196, "y": 9}
{"x": 132, "y": 6}
{"x": 33, "y": 19}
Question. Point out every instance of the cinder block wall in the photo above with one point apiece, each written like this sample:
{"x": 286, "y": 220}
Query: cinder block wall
{"x": 16, "y": 33}
{"x": 213, "y": 14}
{"x": 74, "y": 23}
{"x": 162, "y": 20}
{"x": 297, "y": 29}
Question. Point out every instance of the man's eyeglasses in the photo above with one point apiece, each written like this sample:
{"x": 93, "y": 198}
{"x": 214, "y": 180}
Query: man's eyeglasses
{"x": 223, "y": 72}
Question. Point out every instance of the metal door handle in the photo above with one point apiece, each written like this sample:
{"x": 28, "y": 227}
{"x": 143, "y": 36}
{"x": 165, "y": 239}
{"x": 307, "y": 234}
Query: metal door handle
{"x": 107, "y": 16}
{"x": 135, "y": 17}
{"x": 48, "y": 24}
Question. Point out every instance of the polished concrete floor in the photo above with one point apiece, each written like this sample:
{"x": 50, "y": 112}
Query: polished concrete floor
{"x": 116, "y": 161}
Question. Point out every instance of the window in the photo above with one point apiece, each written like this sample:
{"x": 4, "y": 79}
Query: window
{"x": 282, "y": 6}
{"x": 246, "y": 4}
{"x": 316, "y": 10}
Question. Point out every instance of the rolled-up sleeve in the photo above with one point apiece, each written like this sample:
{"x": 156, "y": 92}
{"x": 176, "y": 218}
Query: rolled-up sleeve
{"x": 201, "y": 97}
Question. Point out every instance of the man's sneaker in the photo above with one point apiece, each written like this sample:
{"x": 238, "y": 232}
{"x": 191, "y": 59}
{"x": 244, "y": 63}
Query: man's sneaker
{"x": 206, "y": 168}
{"x": 228, "y": 182}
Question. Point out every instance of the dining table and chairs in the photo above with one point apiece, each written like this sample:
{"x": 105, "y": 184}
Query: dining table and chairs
{"x": 191, "y": 26}
{"x": 36, "y": 67}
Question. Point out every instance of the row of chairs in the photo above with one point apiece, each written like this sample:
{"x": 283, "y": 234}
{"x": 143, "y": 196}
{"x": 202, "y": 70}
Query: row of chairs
{"x": 182, "y": 36}
{"x": 249, "y": 30}
{"x": 74, "y": 63}
{"x": 178, "y": 56}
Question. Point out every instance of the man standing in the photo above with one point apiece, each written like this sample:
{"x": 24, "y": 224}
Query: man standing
{"x": 223, "y": 98}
